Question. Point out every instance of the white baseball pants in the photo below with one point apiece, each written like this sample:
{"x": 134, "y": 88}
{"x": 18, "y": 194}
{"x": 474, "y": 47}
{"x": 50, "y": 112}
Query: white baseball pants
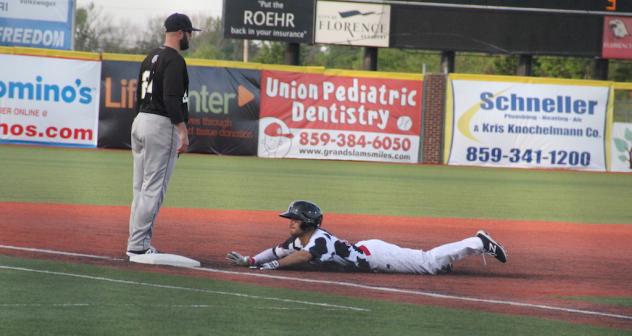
{"x": 390, "y": 258}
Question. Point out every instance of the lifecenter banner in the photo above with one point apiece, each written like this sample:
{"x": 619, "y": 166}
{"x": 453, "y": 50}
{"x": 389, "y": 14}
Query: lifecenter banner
{"x": 322, "y": 116}
{"x": 526, "y": 123}
{"x": 59, "y": 107}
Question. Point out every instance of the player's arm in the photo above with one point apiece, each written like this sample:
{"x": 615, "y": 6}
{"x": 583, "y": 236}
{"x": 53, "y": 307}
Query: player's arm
{"x": 296, "y": 258}
{"x": 275, "y": 253}
{"x": 173, "y": 93}
{"x": 311, "y": 251}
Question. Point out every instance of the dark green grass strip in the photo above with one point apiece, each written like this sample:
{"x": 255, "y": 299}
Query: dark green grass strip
{"x": 53, "y": 304}
{"x": 611, "y": 301}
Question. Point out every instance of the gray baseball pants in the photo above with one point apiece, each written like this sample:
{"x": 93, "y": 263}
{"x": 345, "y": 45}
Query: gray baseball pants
{"x": 154, "y": 148}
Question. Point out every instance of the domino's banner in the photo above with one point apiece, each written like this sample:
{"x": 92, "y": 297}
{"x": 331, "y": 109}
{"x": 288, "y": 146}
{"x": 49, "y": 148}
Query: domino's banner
{"x": 37, "y": 23}
{"x": 527, "y": 123}
{"x": 340, "y": 116}
{"x": 621, "y": 147}
{"x": 49, "y": 101}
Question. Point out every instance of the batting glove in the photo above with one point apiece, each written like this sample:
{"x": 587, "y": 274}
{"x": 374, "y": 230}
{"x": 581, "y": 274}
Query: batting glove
{"x": 270, "y": 265}
{"x": 239, "y": 259}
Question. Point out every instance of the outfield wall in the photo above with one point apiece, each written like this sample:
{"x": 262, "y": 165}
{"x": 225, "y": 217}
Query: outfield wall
{"x": 82, "y": 99}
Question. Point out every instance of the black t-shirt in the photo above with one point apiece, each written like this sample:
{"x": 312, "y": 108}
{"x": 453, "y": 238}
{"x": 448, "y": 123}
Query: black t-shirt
{"x": 163, "y": 85}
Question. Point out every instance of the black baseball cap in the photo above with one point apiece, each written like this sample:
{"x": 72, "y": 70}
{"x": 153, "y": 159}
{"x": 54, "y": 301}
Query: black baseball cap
{"x": 177, "y": 21}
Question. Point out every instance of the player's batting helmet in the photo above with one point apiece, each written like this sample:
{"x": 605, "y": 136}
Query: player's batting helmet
{"x": 307, "y": 212}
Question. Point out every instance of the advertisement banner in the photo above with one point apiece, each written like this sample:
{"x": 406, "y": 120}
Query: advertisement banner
{"x": 57, "y": 107}
{"x": 37, "y": 24}
{"x": 621, "y": 147}
{"x": 321, "y": 116}
{"x": 223, "y": 110}
{"x": 617, "y": 37}
{"x": 356, "y": 24}
{"x": 276, "y": 20}
{"x": 118, "y": 99}
{"x": 523, "y": 123}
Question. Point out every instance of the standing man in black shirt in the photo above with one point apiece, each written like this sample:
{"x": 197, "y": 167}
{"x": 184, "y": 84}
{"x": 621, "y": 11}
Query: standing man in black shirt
{"x": 159, "y": 131}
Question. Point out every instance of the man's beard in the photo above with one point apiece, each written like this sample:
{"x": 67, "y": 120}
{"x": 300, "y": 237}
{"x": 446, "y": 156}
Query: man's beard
{"x": 184, "y": 43}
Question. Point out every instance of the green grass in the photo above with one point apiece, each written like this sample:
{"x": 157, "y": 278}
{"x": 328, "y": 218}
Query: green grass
{"x": 611, "y": 301}
{"x": 34, "y": 303}
{"x": 131, "y": 303}
{"x": 32, "y": 174}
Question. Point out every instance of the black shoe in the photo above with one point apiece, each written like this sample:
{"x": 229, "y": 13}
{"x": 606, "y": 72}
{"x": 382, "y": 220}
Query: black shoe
{"x": 150, "y": 250}
{"x": 445, "y": 269}
{"x": 491, "y": 247}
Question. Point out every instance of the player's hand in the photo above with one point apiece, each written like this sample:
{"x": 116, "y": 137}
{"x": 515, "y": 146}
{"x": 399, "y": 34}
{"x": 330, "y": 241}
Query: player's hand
{"x": 274, "y": 264}
{"x": 239, "y": 259}
{"x": 183, "y": 135}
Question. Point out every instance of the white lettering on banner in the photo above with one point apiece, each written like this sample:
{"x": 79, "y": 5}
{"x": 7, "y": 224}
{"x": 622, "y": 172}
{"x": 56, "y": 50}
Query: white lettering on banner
{"x": 369, "y": 94}
{"x": 269, "y": 19}
{"x": 355, "y": 93}
{"x": 292, "y": 90}
{"x": 340, "y": 115}
{"x": 47, "y": 38}
{"x": 213, "y": 102}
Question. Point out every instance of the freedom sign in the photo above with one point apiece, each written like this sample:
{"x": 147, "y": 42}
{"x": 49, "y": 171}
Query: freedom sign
{"x": 339, "y": 117}
{"x": 49, "y": 100}
{"x": 38, "y": 24}
{"x": 528, "y": 123}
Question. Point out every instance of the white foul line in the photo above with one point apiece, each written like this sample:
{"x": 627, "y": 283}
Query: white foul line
{"x": 71, "y": 254}
{"x": 348, "y": 284}
{"x": 136, "y": 283}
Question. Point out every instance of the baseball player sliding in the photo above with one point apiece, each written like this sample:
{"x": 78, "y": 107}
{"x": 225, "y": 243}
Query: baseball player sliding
{"x": 310, "y": 245}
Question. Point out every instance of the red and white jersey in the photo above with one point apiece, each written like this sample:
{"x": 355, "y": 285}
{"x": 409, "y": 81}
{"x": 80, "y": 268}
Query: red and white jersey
{"x": 325, "y": 248}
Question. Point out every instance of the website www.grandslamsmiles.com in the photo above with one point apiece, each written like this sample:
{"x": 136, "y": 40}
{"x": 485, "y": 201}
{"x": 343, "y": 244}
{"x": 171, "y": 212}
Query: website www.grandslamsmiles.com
{"x": 347, "y": 153}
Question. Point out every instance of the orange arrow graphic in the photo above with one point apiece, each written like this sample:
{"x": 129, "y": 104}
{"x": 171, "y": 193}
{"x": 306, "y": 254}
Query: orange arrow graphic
{"x": 244, "y": 95}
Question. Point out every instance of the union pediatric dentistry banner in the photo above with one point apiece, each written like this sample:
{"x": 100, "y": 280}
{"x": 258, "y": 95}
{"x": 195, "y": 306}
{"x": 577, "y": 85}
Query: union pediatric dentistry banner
{"x": 41, "y": 106}
{"x": 339, "y": 117}
{"x": 528, "y": 123}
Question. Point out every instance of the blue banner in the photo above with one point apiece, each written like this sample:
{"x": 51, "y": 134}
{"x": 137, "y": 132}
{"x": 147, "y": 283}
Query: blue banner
{"x": 37, "y": 23}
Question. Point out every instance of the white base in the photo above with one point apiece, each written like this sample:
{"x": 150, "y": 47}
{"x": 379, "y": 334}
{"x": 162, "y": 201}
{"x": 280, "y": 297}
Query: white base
{"x": 164, "y": 259}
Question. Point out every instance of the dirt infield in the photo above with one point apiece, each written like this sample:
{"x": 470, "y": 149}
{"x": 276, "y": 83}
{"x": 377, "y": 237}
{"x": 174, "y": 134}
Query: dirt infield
{"x": 547, "y": 260}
